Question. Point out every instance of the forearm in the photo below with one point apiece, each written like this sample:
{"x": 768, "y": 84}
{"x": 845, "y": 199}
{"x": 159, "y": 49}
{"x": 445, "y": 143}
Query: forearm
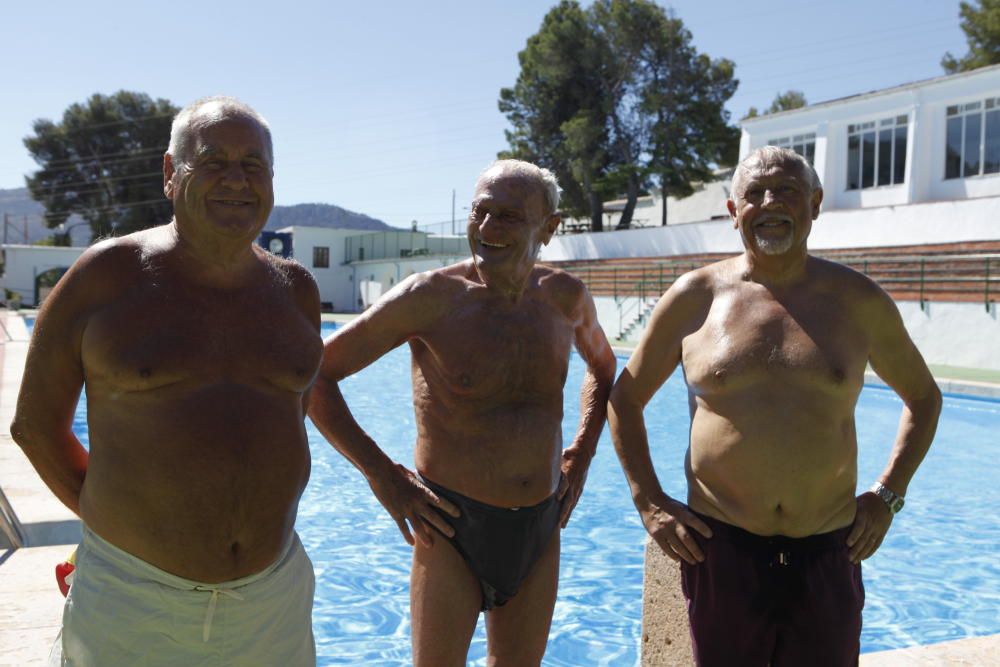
{"x": 329, "y": 411}
{"x": 917, "y": 426}
{"x": 59, "y": 460}
{"x": 628, "y": 432}
{"x": 593, "y": 413}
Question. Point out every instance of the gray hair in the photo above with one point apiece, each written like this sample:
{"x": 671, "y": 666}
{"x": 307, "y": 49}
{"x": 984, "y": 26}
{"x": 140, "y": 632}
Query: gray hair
{"x": 226, "y": 107}
{"x": 545, "y": 179}
{"x": 771, "y": 156}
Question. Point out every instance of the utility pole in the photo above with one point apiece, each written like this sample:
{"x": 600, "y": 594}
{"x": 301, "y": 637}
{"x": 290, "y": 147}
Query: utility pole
{"x": 6, "y": 221}
{"x": 453, "y": 211}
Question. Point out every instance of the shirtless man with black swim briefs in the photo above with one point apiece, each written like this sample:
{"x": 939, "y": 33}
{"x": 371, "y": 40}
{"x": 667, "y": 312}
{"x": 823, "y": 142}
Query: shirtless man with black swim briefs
{"x": 774, "y": 345}
{"x": 490, "y": 339}
{"x": 196, "y": 349}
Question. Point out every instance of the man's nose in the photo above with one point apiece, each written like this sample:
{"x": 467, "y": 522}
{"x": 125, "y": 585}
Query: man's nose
{"x": 234, "y": 176}
{"x": 770, "y": 198}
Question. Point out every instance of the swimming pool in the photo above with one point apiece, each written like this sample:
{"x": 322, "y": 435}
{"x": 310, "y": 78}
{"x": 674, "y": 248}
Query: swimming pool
{"x": 936, "y": 577}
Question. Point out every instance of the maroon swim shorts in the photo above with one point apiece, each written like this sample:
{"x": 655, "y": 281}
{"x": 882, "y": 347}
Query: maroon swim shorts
{"x": 773, "y": 600}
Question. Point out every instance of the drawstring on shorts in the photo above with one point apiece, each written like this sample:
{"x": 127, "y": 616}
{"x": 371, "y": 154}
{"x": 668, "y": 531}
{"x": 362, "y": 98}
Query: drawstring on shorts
{"x": 212, "y": 602}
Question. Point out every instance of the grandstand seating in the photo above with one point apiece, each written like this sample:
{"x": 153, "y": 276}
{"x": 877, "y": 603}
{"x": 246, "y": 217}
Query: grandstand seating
{"x": 963, "y": 272}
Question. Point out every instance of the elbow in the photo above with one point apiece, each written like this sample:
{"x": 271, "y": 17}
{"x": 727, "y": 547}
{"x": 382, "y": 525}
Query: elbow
{"x": 20, "y": 431}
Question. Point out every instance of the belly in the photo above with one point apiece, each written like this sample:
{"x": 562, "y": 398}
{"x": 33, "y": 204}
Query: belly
{"x": 202, "y": 483}
{"x": 505, "y": 455}
{"x": 789, "y": 472}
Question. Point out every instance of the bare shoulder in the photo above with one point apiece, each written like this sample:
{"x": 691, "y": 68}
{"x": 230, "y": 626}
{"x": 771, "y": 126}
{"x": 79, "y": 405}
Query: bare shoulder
{"x": 422, "y": 297}
{"x": 699, "y": 287}
{"x": 846, "y": 281}
{"x": 297, "y": 280}
{"x": 110, "y": 266}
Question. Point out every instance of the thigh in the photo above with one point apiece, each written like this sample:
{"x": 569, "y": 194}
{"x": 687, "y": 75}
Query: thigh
{"x": 824, "y": 626}
{"x": 729, "y": 607}
{"x": 518, "y": 631}
{"x": 445, "y": 599}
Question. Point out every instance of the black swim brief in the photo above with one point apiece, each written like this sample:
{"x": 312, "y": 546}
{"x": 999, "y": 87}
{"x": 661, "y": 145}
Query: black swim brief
{"x": 499, "y": 544}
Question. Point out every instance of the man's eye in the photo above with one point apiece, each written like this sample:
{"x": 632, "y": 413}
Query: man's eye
{"x": 252, "y": 167}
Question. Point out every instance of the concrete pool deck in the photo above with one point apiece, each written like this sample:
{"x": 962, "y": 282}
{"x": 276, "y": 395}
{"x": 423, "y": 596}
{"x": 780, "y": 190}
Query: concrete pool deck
{"x": 31, "y": 605}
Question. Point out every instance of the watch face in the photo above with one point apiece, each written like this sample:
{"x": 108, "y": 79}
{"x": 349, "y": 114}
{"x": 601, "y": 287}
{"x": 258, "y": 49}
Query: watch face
{"x": 896, "y": 505}
{"x": 276, "y": 246}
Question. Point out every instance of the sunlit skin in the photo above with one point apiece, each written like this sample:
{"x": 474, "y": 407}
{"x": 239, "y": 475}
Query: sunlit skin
{"x": 197, "y": 349}
{"x": 774, "y": 345}
{"x": 490, "y": 339}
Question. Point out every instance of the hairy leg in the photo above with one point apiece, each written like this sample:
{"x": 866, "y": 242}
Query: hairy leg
{"x": 445, "y": 599}
{"x": 518, "y": 631}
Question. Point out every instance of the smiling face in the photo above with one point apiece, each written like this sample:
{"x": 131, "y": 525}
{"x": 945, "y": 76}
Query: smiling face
{"x": 508, "y": 224}
{"x": 773, "y": 205}
{"x": 225, "y": 185}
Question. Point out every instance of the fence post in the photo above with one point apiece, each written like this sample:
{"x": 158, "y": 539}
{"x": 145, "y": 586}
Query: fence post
{"x": 986, "y": 289}
{"x": 614, "y": 284}
{"x": 921, "y": 283}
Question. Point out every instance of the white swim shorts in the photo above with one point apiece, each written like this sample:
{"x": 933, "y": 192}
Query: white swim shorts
{"x": 123, "y": 611}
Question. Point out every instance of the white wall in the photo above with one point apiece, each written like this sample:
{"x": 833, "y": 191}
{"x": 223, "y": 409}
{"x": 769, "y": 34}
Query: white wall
{"x": 954, "y": 334}
{"x": 935, "y": 222}
{"x": 24, "y": 262}
{"x": 334, "y": 282}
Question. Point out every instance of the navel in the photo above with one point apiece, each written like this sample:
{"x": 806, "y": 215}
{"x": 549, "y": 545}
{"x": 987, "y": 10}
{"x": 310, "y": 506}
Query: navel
{"x": 465, "y": 380}
{"x": 145, "y": 372}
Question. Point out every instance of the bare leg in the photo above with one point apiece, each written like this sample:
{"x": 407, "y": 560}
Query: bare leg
{"x": 445, "y": 599}
{"x": 517, "y": 632}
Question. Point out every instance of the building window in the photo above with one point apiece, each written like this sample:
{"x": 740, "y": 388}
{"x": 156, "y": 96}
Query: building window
{"x": 321, "y": 257}
{"x": 803, "y": 144}
{"x": 973, "y": 139}
{"x": 876, "y": 153}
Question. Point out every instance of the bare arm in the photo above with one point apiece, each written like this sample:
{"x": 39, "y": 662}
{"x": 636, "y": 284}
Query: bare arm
{"x": 679, "y": 312}
{"x": 593, "y": 347}
{"x": 896, "y": 360}
{"x": 53, "y": 377}
{"x": 398, "y": 316}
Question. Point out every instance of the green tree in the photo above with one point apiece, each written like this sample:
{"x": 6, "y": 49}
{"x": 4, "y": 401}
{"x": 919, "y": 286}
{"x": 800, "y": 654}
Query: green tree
{"x": 668, "y": 122}
{"x": 981, "y": 24}
{"x": 103, "y": 162}
{"x": 792, "y": 99}
{"x": 615, "y": 98}
{"x": 556, "y": 107}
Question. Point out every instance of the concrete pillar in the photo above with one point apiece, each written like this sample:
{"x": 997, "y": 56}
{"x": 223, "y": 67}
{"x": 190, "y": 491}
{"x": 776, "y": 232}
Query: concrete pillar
{"x": 666, "y": 640}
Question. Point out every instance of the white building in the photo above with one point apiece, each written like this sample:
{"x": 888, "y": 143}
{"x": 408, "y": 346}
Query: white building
{"x": 934, "y": 140}
{"x": 352, "y": 267}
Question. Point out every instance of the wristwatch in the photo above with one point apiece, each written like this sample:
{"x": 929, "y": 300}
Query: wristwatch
{"x": 892, "y": 500}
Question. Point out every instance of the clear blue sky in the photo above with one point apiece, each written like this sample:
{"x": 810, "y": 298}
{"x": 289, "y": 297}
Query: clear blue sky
{"x": 385, "y": 107}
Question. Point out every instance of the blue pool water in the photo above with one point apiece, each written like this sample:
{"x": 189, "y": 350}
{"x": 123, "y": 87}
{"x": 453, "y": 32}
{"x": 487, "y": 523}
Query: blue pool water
{"x": 936, "y": 577}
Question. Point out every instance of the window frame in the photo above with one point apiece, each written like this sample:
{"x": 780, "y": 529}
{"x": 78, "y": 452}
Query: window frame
{"x": 981, "y": 110}
{"x": 897, "y": 126}
{"x": 321, "y": 257}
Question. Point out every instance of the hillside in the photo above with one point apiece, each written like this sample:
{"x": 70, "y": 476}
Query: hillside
{"x": 24, "y": 212}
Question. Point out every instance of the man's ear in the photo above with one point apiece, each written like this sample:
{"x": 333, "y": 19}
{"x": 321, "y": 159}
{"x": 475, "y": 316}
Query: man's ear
{"x": 731, "y": 207}
{"x": 817, "y": 199}
{"x": 551, "y": 225}
{"x": 168, "y": 176}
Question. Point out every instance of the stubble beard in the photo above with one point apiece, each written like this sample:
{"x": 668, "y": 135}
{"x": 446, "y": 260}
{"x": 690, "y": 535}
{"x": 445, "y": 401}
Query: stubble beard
{"x": 770, "y": 246}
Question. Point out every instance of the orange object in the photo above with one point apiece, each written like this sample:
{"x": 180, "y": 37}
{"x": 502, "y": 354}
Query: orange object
{"x": 64, "y": 573}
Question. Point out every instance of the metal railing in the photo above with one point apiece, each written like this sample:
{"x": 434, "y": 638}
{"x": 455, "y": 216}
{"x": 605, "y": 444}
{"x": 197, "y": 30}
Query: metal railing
{"x": 922, "y": 278}
{"x": 393, "y": 245}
